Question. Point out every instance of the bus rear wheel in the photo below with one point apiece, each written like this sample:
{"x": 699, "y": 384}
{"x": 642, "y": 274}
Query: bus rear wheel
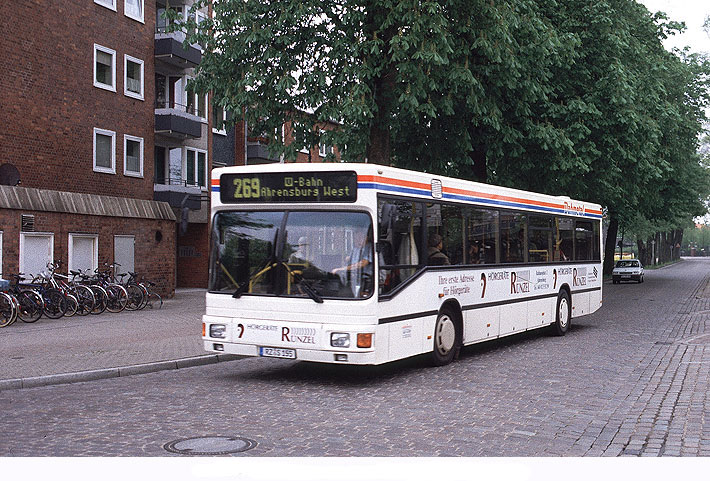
{"x": 563, "y": 314}
{"x": 446, "y": 338}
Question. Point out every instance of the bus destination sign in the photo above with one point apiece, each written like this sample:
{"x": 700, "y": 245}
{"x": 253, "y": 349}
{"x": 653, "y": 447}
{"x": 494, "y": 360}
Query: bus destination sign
{"x": 288, "y": 187}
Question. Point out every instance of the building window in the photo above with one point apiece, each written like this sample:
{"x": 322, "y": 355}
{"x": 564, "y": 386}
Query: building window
{"x": 196, "y": 103}
{"x": 324, "y": 150}
{"x": 133, "y": 85}
{"x": 36, "y": 250}
{"x": 219, "y": 115}
{"x": 196, "y": 168}
{"x": 132, "y": 156}
{"x": 104, "y": 68}
{"x": 104, "y": 151}
{"x": 134, "y": 9}
{"x": 83, "y": 252}
{"x": 107, "y": 3}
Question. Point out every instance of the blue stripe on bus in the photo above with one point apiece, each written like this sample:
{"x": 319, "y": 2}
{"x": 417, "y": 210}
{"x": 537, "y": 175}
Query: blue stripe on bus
{"x": 466, "y": 198}
{"x": 215, "y": 188}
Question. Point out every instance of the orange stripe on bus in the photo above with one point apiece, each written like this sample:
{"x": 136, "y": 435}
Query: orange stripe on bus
{"x": 452, "y": 190}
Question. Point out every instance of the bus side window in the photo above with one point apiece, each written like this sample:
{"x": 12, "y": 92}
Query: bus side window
{"x": 481, "y": 242}
{"x": 512, "y": 235}
{"x": 583, "y": 240}
{"x": 539, "y": 238}
{"x": 564, "y": 228}
{"x": 400, "y": 237}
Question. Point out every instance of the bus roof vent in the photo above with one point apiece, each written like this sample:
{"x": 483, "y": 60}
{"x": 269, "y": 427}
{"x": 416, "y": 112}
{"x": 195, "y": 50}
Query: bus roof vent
{"x": 436, "y": 189}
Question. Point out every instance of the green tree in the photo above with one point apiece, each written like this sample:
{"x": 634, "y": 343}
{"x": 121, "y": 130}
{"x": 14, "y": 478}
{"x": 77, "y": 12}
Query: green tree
{"x": 302, "y": 63}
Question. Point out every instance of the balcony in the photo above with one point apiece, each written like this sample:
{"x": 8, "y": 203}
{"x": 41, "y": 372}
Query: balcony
{"x": 258, "y": 153}
{"x": 177, "y": 121}
{"x": 169, "y": 49}
{"x": 178, "y": 193}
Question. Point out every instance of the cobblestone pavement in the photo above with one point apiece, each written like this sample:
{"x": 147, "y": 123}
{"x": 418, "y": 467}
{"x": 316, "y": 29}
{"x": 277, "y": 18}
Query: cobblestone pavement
{"x": 65, "y": 345}
{"x": 629, "y": 380}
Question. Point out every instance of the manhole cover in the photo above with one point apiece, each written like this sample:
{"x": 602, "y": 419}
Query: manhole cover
{"x": 210, "y": 445}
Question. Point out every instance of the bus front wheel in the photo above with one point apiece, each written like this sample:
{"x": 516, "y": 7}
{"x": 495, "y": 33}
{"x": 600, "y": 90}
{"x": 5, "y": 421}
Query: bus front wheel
{"x": 563, "y": 314}
{"x": 446, "y": 338}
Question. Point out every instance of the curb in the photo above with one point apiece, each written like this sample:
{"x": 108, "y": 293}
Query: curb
{"x": 107, "y": 373}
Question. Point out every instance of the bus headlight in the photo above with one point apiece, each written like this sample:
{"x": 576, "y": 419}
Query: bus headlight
{"x": 218, "y": 330}
{"x": 340, "y": 339}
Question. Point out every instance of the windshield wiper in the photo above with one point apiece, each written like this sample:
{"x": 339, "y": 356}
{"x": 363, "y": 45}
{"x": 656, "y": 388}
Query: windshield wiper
{"x": 300, "y": 281}
{"x": 308, "y": 288}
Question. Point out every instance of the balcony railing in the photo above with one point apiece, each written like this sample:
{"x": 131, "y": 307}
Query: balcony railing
{"x": 177, "y": 182}
{"x": 190, "y": 109}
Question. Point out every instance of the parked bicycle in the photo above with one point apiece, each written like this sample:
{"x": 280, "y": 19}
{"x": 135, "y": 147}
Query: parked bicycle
{"x": 30, "y": 303}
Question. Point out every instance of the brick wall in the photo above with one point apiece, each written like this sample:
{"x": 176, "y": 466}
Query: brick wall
{"x": 192, "y": 256}
{"x": 50, "y": 105}
{"x": 154, "y": 259}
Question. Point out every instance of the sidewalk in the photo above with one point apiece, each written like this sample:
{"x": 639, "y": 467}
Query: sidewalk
{"x": 54, "y": 351}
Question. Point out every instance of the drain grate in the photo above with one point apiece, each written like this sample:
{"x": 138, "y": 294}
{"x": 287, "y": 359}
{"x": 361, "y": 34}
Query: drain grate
{"x": 210, "y": 445}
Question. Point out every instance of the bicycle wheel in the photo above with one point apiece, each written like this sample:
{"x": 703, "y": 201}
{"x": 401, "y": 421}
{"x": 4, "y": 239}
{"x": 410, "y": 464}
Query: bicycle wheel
{"x": 155, "y": 301}
{"x": 117, "y": 298}
{"x": 101, "y": 297}
{"x": 135, "y": 297}
{"x": 72, "y": 305}
{"x": 146, "y": 295}
{"x": 55, "y": 304}
{"x": 86, "y": 299}
{"x": 31, "y": 305}
{"x": 8, "y": 310}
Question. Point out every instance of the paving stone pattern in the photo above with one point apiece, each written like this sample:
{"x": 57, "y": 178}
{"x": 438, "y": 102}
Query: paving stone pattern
{"x": 630, "y": 380}
{"x": 79, "y": 343}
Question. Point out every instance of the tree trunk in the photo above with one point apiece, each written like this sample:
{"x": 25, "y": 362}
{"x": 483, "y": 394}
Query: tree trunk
{"x": 610, "y": 245}
{"x": 479, "y": 168}
{"x": 677, "y": 242}
{"x": 643, "y": 251}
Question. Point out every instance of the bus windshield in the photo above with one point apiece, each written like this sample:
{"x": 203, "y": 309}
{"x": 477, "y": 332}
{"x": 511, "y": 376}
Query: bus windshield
{"x": 317, "y": 254}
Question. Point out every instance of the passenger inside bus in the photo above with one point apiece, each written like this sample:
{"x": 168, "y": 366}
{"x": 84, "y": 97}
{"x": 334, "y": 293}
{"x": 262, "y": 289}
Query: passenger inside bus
{"x": 435, "y": 256}
{"x": 300, "y": 256}
{"x": 359, "y": 267}
{"x": 475, "y": 253}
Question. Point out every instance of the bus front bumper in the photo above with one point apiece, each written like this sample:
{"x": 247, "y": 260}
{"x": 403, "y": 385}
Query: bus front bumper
{"x": 330, "y": 343}
{"x": 333, "y": 357}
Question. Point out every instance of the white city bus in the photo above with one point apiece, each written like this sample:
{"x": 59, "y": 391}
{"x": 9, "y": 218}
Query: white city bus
{"x": 366, "y": 264}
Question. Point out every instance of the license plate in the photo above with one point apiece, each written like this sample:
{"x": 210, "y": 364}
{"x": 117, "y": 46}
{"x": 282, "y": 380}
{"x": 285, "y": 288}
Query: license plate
{"x": 626, "y": 277}
{"x": 277, "y": 352}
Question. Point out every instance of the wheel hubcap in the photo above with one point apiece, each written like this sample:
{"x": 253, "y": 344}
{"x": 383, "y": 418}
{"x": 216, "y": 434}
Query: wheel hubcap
{"x": 445, "y": 335}
{"x": 564, "y": 313}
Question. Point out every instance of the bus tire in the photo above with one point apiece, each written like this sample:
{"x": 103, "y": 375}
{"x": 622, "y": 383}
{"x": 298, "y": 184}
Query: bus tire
{"x": 563, "y": 314}
{"x": 447, "y": 337}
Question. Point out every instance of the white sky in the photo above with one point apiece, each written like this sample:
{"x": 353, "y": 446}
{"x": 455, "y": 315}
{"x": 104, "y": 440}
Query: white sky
{"x": 693, "y": 13}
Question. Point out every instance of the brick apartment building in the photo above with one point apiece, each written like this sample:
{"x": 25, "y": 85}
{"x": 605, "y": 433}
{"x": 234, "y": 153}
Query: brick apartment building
{"x": 111, "y": 150}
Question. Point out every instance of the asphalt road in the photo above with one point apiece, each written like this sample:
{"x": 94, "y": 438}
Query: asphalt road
{"x": 629, "y": 380}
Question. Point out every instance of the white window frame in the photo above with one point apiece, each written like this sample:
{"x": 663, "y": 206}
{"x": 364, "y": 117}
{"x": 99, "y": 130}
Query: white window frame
{"x": 222, "y": 130}
{"x": 322, "y": 148}
{"x": 140, "y": 19}
{"x": 184, "y": 166}
{"x": 127, "y": 172}
{"x": 128, "y": 93}
{"x": 112, "y": 134}
{"x": 23, "y": 236}
{"x": 94, "y": 261}
{"x": 112, "y": 52}
{"x": 110, "y": 4}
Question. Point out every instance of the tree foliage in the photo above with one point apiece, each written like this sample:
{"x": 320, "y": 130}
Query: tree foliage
{"x": 557, "y": 96}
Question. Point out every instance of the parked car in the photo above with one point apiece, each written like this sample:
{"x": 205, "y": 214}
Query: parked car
{"x": 627, "y": 270}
